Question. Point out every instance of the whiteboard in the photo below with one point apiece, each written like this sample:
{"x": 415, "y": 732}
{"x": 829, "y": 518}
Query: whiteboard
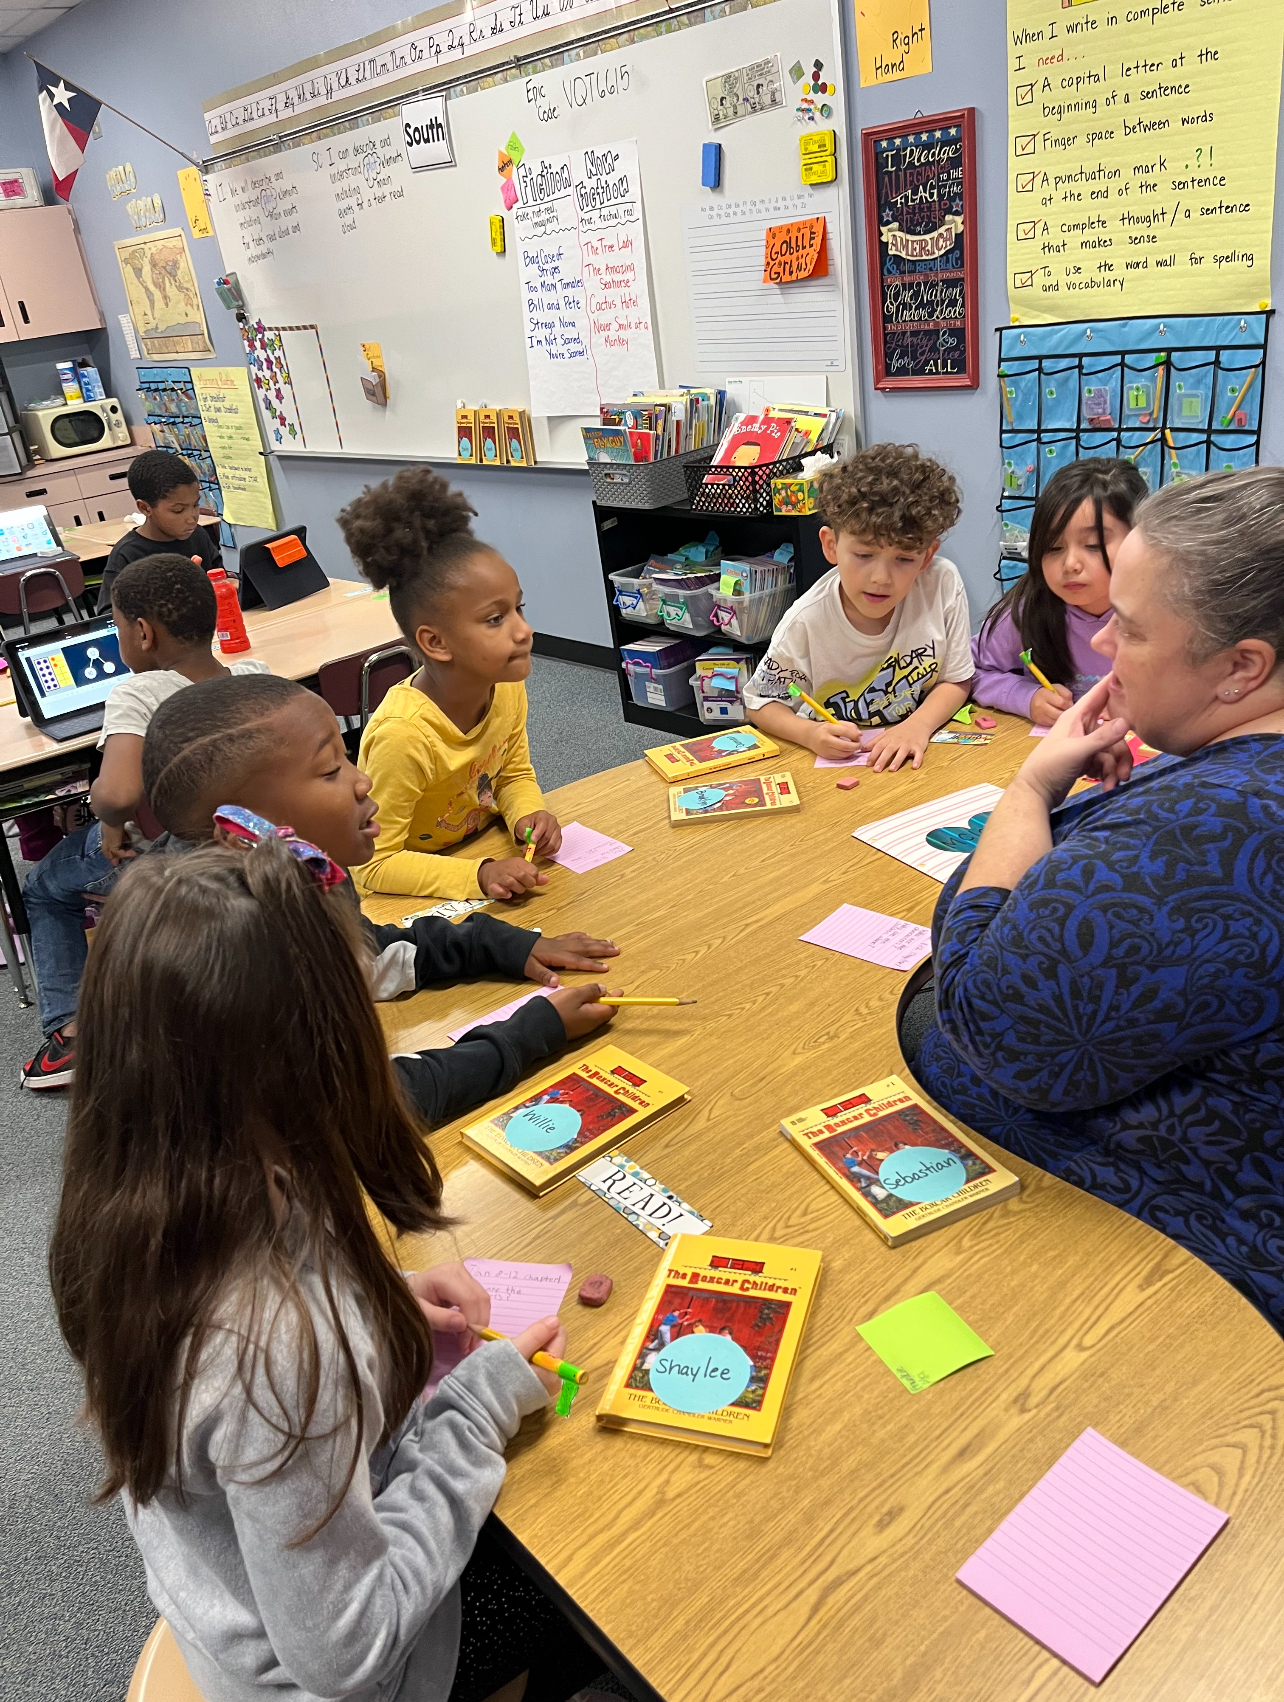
{"x": 337, "y": 242}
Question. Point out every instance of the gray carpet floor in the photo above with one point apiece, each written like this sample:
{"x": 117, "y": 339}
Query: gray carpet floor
{"x": 75, "y": 1610}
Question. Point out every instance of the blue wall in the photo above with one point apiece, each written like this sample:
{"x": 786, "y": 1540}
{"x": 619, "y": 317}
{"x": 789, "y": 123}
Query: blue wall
{"x": 161, "y": 58}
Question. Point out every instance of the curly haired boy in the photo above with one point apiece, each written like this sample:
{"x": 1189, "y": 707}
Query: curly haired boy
{"x": 882, "y": 641}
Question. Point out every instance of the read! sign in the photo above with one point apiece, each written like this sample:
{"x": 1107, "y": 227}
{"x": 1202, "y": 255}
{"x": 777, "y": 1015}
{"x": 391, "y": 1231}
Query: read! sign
{"x": 795, "y": 251}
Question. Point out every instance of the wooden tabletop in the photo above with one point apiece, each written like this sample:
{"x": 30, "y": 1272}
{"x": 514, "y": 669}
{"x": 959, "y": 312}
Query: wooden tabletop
{"x": 826, "y": 1572}
{"x": 293, "y": 641}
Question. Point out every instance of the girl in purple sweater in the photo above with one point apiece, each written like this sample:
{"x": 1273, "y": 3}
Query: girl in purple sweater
{"x": 1055, "y": 610}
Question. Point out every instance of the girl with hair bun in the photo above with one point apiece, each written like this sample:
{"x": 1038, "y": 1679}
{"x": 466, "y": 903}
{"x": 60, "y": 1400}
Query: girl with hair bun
{"x": 446, "y": 749}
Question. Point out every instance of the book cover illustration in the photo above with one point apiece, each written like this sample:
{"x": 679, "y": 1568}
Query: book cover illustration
{"x": 544, "y": 1133}
{"x": 489, "y": 443}
{"x": 710, "y": 1353}
{"x": 692, "y": 757}
{"x": 510, "y": 420}
{"x": 607, "y": 443}
{"x": 465, "y": 434}
{"x": 714, "y": 800}
{"x": 755, "y": 439}
{"x": 904, "y": 1167}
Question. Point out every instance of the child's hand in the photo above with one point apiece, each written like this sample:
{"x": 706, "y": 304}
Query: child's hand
{"x": 546, "y": 831}
{"x": 548, "y": 1336}
{"x": 829, "y": 740}
{"x": 508, "y": 877}
{"x": 579, "y": 1010}
{"x": 897, "y": 745}
{"x": 451, "y": 1298}
{"x": 566, "y": 951}
{"x": 1048, "y": 703}
{"x": 115, "y": 845}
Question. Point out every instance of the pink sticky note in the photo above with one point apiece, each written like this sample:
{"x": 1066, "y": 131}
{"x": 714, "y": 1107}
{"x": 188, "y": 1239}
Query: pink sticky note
{"x": 1092, "y": 1553}
{"x": 508, "y": 193}
{"x": 885, "y": 940}
{"x": 1039, "y": 732}
{"x": 500, "y": 1015}
{"x": 520, "y": 1295}
{"x": 584, "y": 849}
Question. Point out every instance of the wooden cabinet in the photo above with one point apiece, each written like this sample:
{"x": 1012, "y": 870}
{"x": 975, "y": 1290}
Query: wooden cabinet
{"x": 77, "y": 493}
{"x": 45, "y": 287}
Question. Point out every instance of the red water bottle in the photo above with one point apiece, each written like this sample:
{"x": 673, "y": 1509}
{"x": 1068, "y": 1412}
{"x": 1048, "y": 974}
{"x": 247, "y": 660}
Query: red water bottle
{"x": 230, "y": 623}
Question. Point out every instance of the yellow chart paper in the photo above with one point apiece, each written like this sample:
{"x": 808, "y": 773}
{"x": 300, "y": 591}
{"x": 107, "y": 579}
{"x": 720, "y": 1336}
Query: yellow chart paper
{"x": 232, "y": 432}
{"x": 1141, "y": 156}
{"x": 893, "y": 40}
{"x": 193, "y": 192}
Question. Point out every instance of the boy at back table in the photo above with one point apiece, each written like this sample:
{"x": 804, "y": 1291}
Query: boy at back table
{"x": 167, "y": 494}
{"x": 883, "y": 641}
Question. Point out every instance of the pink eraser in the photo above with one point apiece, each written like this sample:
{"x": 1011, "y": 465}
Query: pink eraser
{"x": 985, "y": 721}
{"x": 595, "y": 1290}
{"x": 848, "y": 785}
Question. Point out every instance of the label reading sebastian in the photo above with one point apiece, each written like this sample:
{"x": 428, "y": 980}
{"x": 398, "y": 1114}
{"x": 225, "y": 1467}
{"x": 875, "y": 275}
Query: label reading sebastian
{"x": 920, "y": 213}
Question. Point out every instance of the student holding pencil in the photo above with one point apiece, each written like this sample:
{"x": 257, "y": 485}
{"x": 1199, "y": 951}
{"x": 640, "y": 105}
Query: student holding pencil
{"x": 447, "y": 749}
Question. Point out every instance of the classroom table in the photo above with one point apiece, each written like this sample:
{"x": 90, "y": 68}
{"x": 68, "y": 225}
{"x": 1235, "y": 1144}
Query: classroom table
{"x": 293, "y": 641}
{"x": 826, "y": 1572}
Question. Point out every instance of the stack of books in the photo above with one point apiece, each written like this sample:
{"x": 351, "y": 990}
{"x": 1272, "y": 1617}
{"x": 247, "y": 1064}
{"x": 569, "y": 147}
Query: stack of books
{"x": 651, "y": 426}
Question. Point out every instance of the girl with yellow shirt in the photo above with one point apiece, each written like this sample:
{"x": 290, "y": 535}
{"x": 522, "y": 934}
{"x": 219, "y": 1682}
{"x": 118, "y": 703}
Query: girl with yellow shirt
{"x": 446, "y": 749}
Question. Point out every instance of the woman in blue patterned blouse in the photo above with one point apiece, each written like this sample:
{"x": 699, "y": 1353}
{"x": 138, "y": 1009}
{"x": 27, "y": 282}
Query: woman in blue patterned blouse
{"x": 1110, "y": 973}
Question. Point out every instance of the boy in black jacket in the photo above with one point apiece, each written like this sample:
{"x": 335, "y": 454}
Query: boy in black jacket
{"x": 275, "y": 748}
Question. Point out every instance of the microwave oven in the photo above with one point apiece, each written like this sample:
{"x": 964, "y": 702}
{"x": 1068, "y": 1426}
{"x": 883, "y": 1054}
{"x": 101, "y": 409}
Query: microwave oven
{"x": 55, "y": 430}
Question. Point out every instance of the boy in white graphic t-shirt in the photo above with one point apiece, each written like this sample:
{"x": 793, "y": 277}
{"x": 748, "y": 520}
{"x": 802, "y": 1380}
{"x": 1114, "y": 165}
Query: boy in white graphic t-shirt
{"x": 884, "y": 640}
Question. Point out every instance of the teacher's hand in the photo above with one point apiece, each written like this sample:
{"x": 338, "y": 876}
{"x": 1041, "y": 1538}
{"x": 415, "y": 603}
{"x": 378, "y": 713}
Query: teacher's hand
{"x": 1079, "y": 744}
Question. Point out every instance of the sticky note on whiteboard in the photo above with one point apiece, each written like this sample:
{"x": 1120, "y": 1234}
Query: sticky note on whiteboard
{"x": 795, "y": 251}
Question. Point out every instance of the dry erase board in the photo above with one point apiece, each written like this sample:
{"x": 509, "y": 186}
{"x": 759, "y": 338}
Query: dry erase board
{"x": 920, "y": 245}
{"x": 337, "y": 242}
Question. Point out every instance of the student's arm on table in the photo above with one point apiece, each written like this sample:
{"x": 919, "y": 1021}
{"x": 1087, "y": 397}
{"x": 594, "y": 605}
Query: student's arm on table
{"x": 778, "y": 721}
{"x": 909, "y": 739}
{"x": 1001, "y": 681}
{"x": 482, "y": 945}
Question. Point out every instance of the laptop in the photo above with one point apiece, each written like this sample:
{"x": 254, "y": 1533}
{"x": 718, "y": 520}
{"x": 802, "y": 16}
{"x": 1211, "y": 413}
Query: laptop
{"x": 29, "y": 538}
{"x": 61, "y": 679}
{"x": 279, "y": 570}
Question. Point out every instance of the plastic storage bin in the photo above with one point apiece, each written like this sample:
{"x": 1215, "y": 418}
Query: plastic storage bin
{"x": 646, "y": 484}
{"x": 661, "y": 688}
{"x": 752, "y": 616}
{"x": 719, "y": 710}
{"x": 689, "y": 610}
{"x": 637, "y": 599}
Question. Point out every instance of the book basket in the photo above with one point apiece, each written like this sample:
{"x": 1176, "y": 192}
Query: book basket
{"x": 742, "y": 490}
{"x": 646, "y": 484}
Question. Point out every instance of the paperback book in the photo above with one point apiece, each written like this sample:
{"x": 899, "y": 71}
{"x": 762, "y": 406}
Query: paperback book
{"x": 714, "y": 800}
{"x": 905, "y": 1168}
{"x": 543, "y": 1133}
{"x": 713, "y": 1346}
{"x": 690, "y": 758}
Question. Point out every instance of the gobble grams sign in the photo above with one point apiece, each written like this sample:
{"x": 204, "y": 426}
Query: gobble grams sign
{"x": 425, "y": 129}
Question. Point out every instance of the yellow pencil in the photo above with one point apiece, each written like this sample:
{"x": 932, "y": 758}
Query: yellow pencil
{"x": 545, "y": 1361}
{"x": 1248, "y": 385}
{"x": 646, "y": 1001}
{"x": 530, "y": 844}
{"x": 812, "y": 704}
{"x": 1038, "y": 673}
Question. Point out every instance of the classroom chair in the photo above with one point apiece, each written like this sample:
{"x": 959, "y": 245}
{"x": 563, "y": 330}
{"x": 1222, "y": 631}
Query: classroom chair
{"x": 354, "y": 686}
{"x": 18, "y": 596}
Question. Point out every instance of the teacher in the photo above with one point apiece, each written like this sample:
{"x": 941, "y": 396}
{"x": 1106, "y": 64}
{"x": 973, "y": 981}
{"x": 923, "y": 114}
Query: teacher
{"x": 1110, "y": 972}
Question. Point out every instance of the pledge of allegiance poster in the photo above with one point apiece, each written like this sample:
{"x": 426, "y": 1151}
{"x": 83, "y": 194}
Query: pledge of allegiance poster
{"x": 1141, "y": 156}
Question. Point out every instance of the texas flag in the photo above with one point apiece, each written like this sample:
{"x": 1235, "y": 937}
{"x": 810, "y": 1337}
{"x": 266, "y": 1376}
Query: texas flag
{"x": 68, "y": 115}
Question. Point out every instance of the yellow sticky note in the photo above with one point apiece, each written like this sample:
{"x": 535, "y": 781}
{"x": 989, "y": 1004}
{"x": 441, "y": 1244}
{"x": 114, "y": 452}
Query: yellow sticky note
{"x": 193, "y": 193}
{"x": 497, "y": 233}
{"x": 923, "y": 1340}
{"x": 893, "y": 40}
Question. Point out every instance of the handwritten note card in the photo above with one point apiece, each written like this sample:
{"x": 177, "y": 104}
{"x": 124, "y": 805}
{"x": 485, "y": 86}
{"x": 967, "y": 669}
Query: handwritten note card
{"x": 885, "y": 940}
{"x": 586, "y": 302}
{"x": 500, "y": 1015}
{"x": 795, "y": 251}
{"x": 520, "y": 1295}
{"x": 893, "y": 40}
{"x": 923, "y": 1340}
{"x": 584, "y": 849}
{"x": 904, "y": 836}
{"x": 1091, "y": 1554}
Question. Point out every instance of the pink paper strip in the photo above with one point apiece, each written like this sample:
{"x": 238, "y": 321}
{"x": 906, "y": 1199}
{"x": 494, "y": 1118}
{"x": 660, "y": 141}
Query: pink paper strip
{"x": 885, "y": 940}
{"x": 501, "y": 1014}
{"x": 583, "y": 849}
{"x": 861, "y": 761}
{"x": 1092, "y": 1553}
{"x": 520, "y": 1295}
{"x": 1039, "y": 732}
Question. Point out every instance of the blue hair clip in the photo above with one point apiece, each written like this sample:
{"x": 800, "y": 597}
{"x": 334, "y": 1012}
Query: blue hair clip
{"x": 250, "y": 829}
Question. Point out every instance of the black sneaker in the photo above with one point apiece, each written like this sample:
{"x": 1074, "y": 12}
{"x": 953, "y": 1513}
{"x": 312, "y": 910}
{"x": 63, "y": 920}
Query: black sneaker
{"x": 53, "y": 1065}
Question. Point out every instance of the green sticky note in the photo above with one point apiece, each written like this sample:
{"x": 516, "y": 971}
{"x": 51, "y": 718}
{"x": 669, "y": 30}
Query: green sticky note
{"x": 515, "y": 148}
{"x": 923, "y": 1340}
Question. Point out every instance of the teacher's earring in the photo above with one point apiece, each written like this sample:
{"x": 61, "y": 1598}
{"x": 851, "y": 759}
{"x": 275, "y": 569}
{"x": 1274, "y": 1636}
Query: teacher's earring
{"x": 1234, "y": 692}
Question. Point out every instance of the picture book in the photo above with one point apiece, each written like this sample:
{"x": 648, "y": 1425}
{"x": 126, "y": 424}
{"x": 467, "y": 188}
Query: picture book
{"x": 490, "y": 445}
{"x": 690, "y": 758}
{"x": 642, "y": 445}
{"x": 754, "y": 439}
{"x": 606, "y": 443}
{"x": 543, "y": 1133}
{"x": 510, "y": 420}
{"x": 714, "y": 800}
{"x": 465, "y": 434}
{"x": 712, "y": 1348}
{"x": 905, "y": 1168}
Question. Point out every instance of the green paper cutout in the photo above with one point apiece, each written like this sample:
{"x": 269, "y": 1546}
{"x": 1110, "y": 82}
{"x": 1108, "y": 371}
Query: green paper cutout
{"x": 514, "y": 148}
{"x": 923, "y": 1340}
